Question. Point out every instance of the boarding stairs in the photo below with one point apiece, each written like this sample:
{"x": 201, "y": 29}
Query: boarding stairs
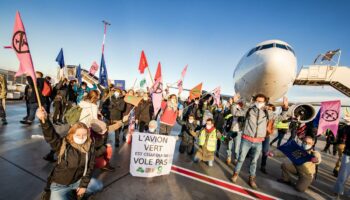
{"x": 317, "y": 75}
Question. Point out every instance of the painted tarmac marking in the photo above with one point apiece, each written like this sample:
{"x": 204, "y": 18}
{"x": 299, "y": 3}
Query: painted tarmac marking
{"x": 249, "y": 193}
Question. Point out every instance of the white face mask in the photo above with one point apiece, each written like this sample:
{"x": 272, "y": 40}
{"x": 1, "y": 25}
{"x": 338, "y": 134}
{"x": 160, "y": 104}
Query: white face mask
{"x": 259, "y": 105}
{"x": 173, "y": 101}
{"x": 191, "y": 121}
{"x": 196, "y": 102}
{"x": 116, "y": 95}
{"x": 307, "y": 147}
{"x": 145, "y": 98}
{"x": 78, "y": 140}
{"x": 152, "y": 130}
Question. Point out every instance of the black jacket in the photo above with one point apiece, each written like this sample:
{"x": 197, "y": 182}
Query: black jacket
{"x": 346, "y": 131}
{"x": 219, "y": 120}
{"x": 187, "y": 127}
{"x": 29, "y": 92}
{"x": 71, "y": 168}
{"x": 144, "y": 111}
{"x": 100, "y": 143}
{"x": 116, "y": 108}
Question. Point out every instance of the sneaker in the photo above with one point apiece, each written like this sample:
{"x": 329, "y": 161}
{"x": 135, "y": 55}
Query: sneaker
{"x": 234, "y": 177}
{"x": 4, "y": 122}
{"x": 116, "y": 144}
{"x": 108, "y": 168}
{"x": 252, "y": 182}
{"x": 24, "y": 118}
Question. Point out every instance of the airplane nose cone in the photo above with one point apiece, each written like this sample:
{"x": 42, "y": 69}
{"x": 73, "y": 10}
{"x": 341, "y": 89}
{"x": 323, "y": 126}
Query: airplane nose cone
{"x": 281, "y": 64}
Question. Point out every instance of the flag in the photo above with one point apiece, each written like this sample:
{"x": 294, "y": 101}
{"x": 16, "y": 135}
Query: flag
{"x": 196, "y": 92}
{"x": 60, "y": 58}
{"x": 93, "y": 68}
{"x": 78, "y": 74}
{"x": 329, "y": 117}
{"x": 133, "y": 100}
{"x": 143, "y": 63}
{"x": 158, "y": 73}
{"x": 20, "y": 45}
{"x": 142, "y": 83}
{"x": 216, "y": 93}
{"x": 103, "y": 78}
{"x": 329, "y": 55}
{"x": 180, "y": 82}
{"x": 119, "y": 84}
{"x": 295, "y": 153}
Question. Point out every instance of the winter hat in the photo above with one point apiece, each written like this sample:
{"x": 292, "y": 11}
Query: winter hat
{"x": 98, "y": 126}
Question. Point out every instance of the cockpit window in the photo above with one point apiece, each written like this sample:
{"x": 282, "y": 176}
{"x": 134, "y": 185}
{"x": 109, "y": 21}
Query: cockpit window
{"x": 268, "y": 46}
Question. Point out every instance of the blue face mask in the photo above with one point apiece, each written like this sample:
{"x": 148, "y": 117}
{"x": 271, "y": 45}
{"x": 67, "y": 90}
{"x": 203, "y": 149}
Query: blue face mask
{"x": 219, "y": 110}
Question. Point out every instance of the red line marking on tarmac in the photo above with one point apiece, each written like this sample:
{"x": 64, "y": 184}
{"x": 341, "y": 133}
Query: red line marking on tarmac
{"x": 252, "y": 194}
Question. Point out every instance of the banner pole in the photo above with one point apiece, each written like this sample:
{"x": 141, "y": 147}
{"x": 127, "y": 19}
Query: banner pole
{"x": 149, "y": 72}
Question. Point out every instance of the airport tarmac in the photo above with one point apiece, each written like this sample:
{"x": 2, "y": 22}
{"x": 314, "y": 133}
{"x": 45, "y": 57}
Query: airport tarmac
{"x": 23, "y": 172}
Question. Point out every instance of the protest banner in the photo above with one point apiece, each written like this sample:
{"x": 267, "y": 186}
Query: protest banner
{"x": 295, "y": 153}
{"x": 151, "y": 155}
{"x": 119, "y": 84}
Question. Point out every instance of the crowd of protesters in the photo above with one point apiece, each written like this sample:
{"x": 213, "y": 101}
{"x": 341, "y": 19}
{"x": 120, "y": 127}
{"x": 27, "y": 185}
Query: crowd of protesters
{"x": 92, "y": 112}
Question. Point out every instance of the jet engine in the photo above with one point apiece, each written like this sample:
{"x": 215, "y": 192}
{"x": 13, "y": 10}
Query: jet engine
{"x": 303, "y": 112}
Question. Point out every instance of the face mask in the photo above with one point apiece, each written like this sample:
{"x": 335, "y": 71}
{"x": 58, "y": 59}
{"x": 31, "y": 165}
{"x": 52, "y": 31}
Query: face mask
{"x": 191, "y": 121}
{"x": 78, "y": 140}
{"x": 145, "y": 98}
{"x": 151, "y": 130}
{"x": 173, "y": 101}
{"x": 196, "y": 102}
{"x": 116, "y": 95}
{"x": 208, "y": 127}
{"x": 219, "y": 110}
{"x": 259, "y": 105}
{"x": 307, "y": 146}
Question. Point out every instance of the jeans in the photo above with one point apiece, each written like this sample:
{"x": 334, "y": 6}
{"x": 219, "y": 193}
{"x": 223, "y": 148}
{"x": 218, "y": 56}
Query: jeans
{"x": 32, "y": 110}
{"x": 343, "y": 175}
{"x": 237, "y": 142}
{"x": 63, "y": 192}
{"x": 265, "y": 149}
{"x": 255, "y": 149}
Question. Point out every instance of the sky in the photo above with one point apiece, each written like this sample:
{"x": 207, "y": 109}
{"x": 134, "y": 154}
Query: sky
{"x": 210, "y": 36}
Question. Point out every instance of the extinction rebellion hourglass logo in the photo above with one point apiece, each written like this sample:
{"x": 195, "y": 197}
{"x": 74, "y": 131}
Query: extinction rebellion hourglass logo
{"x": 20, "y": 43}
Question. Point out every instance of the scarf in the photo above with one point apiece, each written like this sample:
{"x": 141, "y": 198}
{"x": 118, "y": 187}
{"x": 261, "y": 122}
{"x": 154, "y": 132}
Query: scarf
{"x": 83, "y": 148}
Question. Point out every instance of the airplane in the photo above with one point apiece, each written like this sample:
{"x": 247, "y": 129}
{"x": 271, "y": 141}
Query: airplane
{"x": 270, "y": 68}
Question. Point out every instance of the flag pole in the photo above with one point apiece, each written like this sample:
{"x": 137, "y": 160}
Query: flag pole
{"x": 133, "y": 86}
{"x": 149, "y": 72}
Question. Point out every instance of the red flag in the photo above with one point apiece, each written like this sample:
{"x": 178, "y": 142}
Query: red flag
{"x": 143, "y": 63}
{"x": 20, "y": 45}
{"x": 158, "y": 73}
{"x": 94, "y": 67}
{"x": 196, "y": 92}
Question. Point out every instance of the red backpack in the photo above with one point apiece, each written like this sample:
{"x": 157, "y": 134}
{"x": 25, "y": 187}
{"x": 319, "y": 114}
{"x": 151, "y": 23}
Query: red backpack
{"x": 47, "y": 90}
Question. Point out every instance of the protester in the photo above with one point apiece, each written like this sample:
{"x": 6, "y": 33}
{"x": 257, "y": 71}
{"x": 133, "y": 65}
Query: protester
{"x": 116, "y": 108}
{"x": 3, "y": 93}
{"x": 254, "y": 134}
{"x": 169, "y": 115}
{"x": 266, "y": 143}
{"x": 103, "y": 151}
{"x": 219, "y": 121}
{"x": 306, "y": 171}
{"x": 207, "y": 141}
{"x": 83, "y": 90}
{"x": 89, "y": 107}
{"x": 32, "y": 98}
{"x": 187, "y": 128}
{"x": 282, "y": 128}
{"x": 235, "y": 134}
{"x": 143, "y": 113}
{"x": 71, "y": 177}
{"x": 340, "y": 146}
{"x": 152, "y": 127}
{"x": 344, "y": 172}
{"x": 330, "y": 140}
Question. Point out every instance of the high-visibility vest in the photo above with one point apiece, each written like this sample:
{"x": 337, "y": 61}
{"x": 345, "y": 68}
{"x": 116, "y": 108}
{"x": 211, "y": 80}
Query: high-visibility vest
{"x": 212, "y": 139}
{"x": 281, "y": 125}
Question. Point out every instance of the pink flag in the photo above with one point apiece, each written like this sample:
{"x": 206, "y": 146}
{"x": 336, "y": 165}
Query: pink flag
{"x": 180, "y": 82}
{"x": 216, "y": 93}
{"x": 157, "y": 95}
{"x": 329, "y": 117}
{"x": 20, "y": 45}
{"x": 94, "y": 67}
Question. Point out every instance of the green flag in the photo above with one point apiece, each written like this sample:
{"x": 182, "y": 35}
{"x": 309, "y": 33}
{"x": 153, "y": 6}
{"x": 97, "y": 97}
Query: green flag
{"x": 142, "y": 82}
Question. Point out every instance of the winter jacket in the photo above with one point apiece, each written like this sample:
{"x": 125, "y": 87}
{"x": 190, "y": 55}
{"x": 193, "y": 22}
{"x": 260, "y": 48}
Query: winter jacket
{"x": 219, "y": 120}
{"x": 30, "y": 95}
{"x": 144, "y": 111}
{"x": 100, "y": 143}
{"x": 81, "y": 92}
{"x": 89, "y": 112}
{"x": 116, "y": 108}
{"x": 71, "y": 168}
{"x": 187, "y": 127}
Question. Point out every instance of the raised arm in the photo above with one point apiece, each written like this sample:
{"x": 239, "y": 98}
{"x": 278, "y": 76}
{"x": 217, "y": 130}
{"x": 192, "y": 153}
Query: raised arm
{"x": 49, "y": 132}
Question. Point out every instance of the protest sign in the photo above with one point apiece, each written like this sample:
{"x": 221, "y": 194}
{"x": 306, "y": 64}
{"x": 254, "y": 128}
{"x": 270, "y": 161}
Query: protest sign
{"x": 295, "y": 153}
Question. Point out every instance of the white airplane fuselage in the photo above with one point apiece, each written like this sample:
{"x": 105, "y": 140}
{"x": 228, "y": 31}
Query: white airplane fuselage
{"x": 269, "y": 68}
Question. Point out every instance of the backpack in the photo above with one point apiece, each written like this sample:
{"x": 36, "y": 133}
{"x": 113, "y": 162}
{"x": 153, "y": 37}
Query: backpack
{"x": 73, "y": 115}
{"x": 242, "y": 119}
{"x": 47, "y": 89}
